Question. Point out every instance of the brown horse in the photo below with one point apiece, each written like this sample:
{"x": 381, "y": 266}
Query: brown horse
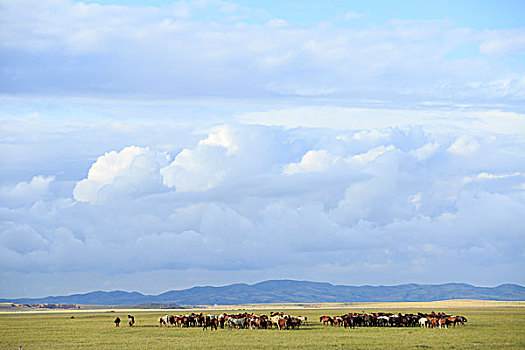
{"x": 326, "y": 320}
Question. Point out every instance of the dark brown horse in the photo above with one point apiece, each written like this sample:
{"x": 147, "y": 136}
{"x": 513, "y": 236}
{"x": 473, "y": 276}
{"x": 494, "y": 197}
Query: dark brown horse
{"x": 131, "y": 320}
{"x": 209, "y": 321}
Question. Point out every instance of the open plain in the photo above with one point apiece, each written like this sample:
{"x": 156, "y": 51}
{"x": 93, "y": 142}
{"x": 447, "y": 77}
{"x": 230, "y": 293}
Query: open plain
{"x": 487, "y": 327}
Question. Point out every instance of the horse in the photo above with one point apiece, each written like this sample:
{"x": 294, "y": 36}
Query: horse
{"x": 348, "y": 321}
{"x": 164, "y": 321}
{"x": 117, "y": 322}
{"x": 434, "y": 322}
{"x": 461, "y": 319}
{"x": 303, "y": 319}
{"x": 338, "y": 321}
{"x": 442, "y": 323}
{"x": 326, "y": 320}
{"x": 275, "y": 320}
{"x": 131, "y": 320}
{"x": 209, "y": 321}
{"x": 236, "y": 323}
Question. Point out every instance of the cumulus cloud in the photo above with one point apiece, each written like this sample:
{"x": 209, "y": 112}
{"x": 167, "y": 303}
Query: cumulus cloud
{"x": 366, "y": 200}
{"x": 312, "y": 161}
{"x": 130, "y": 172}
{"x": 426, "y": 151}
{"x": 199, "y": 169}
{"x": 27, "y": 192}
{"x": 464, "y": 146}
{"x": 228, "y": 153}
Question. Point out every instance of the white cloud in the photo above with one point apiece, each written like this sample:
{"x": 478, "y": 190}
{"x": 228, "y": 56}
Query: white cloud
{"x": 189, "y": 49}
{"x": 27, "y": 192}
{"x": 372, "y": 154}
{"x": 464, "y": 146}
{"x": 199, "y": 169}
{"x": 312, "y": 161}
{"x": 350, "y": 15}
{"x": 224, "y": 136}
{"x": 21, "y": 238}
{"x": 425, "y": 152}
{"x": 228, "y": 153}
{"x": 130, "y": 172}
{"x": 503, "y": 42}
{"x": 369, "y": 121}
{"x": 286, "y": 198}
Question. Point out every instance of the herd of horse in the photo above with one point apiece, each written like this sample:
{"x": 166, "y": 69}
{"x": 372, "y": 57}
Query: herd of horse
{"x": 281, "y": 321}
{"x": 233, "y": 321}
{"x": 381, "y": 319}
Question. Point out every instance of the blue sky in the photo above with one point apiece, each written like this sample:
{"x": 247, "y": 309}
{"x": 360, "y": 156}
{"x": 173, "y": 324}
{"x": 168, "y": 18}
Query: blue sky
{"x": 482, "y": 14}
{"x": 346, "y": 142}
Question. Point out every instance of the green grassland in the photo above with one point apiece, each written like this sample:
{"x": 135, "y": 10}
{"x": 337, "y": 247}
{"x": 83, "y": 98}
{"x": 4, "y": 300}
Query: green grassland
{"x": 486, "y": 328}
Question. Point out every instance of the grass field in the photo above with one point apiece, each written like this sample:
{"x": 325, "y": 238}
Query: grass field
{"x": 486, "y": 328}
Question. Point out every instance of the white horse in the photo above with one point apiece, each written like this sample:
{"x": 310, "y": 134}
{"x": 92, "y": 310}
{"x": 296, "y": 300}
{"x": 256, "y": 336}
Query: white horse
{"x": 164, "y": 321}
{"x": 303, "y": 319}
{"x": 237, "y": 322}
{"x": 423, "y": 322}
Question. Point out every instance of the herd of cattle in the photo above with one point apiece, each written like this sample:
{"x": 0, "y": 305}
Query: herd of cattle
{"x": 280, "y": 321}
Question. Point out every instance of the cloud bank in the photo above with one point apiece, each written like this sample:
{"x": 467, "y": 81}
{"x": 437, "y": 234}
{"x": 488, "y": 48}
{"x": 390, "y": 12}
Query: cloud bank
{"x": 367, "y": 206}
{"x": 221, "y": 49}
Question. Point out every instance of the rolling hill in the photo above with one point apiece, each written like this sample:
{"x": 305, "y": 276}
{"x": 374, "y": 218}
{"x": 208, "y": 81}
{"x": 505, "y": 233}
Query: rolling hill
{"x": 290, "y": 291}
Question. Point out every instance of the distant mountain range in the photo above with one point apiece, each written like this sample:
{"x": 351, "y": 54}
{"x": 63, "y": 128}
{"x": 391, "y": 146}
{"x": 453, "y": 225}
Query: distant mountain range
{"x": 289, "y": 291}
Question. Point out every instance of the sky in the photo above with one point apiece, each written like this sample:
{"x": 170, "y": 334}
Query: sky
{"x": 157, "y": 145}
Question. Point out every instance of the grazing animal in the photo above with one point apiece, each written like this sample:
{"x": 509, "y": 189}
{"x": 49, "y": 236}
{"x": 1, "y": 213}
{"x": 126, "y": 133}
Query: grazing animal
{"x": 293, "y": 322}
{"x": 236, "y": 323}
{"x": 303, "y": 319}
{"x": 210, "y": 321}
{"x": 117, "y": 322}
{"x": 222, "y": 319}
{"x": 348, "y": 321}
{"x": 275, "y": 320}
{"x": 164, "y": 321}
{"x": 338, "y": 321}
{"x": 434, "y": 322}
{"x": 461, "y": 319}
{"x": 131, "y": 320}
{"x": 442, "y": 323}
{"x": 423, "y": 322}
{"x": 326, "y": 320}
{"x": 383, "y": 321}
{"x": 282, "y": 324}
